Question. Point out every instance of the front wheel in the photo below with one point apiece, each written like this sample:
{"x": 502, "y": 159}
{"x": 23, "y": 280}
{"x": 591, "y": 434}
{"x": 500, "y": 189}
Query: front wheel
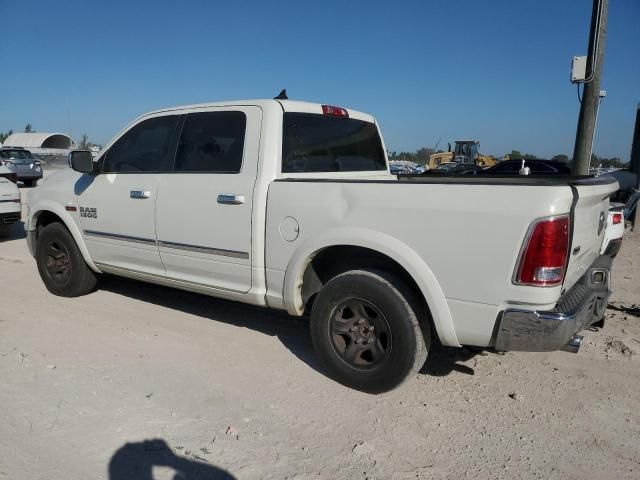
{"x": 60, "y": 263}
{"x": 366, "y": 330}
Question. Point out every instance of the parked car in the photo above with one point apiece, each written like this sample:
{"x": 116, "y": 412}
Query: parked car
{"x": 290, "y": 205}
{"x": 444, "y": 167}
{"x": 10, "y": 207}
{"x": 536, "y": 167}
{"x": 451, "y": 168}
{"x": 396, "y": 169}
{"x": 21, "y": 161}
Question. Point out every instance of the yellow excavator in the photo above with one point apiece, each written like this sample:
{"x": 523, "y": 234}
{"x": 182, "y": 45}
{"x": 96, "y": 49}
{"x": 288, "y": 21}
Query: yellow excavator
{"x": 465, "y": 151}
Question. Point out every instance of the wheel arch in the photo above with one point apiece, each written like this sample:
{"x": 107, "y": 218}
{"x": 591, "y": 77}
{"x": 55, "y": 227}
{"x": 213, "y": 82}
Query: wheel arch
{"x": 317, "y": 260}
{"x": 49, "y": 212}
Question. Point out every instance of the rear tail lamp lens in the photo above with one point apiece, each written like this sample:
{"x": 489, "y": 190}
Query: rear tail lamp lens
{"x": 544, "y": 255}
{"x": 617, "y": 218}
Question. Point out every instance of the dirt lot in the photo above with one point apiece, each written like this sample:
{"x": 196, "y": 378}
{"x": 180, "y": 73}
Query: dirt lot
{"x": 224, "y": 390}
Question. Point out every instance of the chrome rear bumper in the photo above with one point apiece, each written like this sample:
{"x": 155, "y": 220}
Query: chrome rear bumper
{"x": 544, "y": 331}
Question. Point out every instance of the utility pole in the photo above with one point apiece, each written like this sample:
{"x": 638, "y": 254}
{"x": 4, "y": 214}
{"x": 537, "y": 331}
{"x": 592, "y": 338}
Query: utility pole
{"x": 634, "y": 165}
{"x": 591, "y": 92}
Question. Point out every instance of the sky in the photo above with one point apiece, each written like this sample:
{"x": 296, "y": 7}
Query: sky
{"x": 430, "y": 71}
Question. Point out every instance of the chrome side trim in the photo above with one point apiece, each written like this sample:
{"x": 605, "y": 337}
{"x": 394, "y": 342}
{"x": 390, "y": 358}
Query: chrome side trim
{"x": 174, "y": 245}
{"x": 115, "y": 236}
{"x": 199, "y": 249}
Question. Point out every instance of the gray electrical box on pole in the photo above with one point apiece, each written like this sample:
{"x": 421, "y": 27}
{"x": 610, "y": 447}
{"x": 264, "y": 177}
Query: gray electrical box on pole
{"x": 591, "y": 92}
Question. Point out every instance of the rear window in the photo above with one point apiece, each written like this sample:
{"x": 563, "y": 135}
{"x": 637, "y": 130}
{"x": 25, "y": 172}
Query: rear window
{"x": 319, "y": 143}
{"x": 18, "y": 154}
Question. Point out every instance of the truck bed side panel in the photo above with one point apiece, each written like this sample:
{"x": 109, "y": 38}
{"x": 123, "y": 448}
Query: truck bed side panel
{"x": 469, "y": 236}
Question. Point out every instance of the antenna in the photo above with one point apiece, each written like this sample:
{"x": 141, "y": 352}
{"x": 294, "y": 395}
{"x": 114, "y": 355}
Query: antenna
{"x": 282, "y": 95}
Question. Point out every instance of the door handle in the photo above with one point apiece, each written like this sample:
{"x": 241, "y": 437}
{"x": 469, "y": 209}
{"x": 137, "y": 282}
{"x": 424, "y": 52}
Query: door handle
{"x": 139, "y": 194}
{"x": 230, "y": 199}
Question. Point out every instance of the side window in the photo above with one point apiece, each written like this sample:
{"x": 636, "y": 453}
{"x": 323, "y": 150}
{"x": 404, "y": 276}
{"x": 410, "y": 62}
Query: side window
{"x": 542, "y": 168}
{"x": 144, "y": 148}
{"x": 509, "y": 167}
{"x": 211, "y": 142}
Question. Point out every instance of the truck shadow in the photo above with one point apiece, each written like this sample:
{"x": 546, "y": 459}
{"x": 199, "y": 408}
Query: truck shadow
{"x": 136, "y": 461}
{"x": 292, "y": 332}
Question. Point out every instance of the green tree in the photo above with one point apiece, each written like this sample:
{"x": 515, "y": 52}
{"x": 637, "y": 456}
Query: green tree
{"x": 28, "y": 128}
{"x": 613, "y": 162}
{"x": 517, "y": 154}
{"x": 560, "y": 158}
{"x": 4, "y": 136}
{"x": 84, "y": 142}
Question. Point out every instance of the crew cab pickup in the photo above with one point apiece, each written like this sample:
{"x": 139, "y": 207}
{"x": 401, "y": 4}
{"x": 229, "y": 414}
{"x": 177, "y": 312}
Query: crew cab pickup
{"x": 291, "y": 205}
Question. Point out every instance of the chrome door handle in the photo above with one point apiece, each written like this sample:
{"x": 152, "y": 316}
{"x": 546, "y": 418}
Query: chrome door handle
{"x": 230, "y": 199}
{"x": 139, "y": 194}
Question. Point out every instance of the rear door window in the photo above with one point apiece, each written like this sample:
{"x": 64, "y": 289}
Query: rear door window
{"x": 319, "y": 143}
{"x": 211, "y": 142}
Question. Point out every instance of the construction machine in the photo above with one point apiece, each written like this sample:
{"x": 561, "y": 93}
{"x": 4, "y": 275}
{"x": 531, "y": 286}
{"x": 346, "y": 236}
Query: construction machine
{"x": 465, "y": 151}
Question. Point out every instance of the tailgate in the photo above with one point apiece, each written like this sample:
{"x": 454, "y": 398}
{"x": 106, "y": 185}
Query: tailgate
{"x": 589, "y": 222}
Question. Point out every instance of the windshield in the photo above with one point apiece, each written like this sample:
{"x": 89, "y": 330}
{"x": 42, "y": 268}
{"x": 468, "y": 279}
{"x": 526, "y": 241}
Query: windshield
{"x": 319, "y": 143}
{"x": 15, "y": 154}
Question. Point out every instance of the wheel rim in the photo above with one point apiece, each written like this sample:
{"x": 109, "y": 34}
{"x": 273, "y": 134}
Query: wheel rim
{"x": 57, "y": 262}
{"x": 360, "y": 333}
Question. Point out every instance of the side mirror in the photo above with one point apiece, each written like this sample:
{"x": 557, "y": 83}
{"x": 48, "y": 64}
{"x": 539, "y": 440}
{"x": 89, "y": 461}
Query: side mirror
{"x": 81, "y": 161}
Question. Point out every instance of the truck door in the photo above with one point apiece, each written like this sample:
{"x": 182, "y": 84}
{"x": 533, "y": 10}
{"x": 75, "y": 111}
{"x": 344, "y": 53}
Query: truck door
{"x": 117, "y": 207}
{"x": 204, "y": 205}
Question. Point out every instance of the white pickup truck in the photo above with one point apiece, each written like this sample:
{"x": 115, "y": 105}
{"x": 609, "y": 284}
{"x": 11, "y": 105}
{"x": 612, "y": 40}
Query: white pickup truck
{"x": 290, "y": 205}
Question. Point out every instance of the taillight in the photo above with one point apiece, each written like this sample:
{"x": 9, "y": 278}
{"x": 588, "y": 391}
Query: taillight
{"x": 335, "y": 111}
{"x": 617, "y": 218}
{"x": 544, "y": 256}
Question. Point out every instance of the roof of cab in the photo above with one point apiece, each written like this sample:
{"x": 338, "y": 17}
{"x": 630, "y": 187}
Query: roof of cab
{"x": 286, "y": 105}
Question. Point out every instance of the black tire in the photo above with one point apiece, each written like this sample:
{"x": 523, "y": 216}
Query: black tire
{"x": 342, "y": 317}
{"x": 29, "y": 183}
{"x": 60, "y": 263}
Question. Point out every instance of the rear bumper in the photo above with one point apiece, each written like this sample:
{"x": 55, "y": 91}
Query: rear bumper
{"x": 613, "y": 247}
{"x": 29, "y": 175}
{"x": 544, "y": 331}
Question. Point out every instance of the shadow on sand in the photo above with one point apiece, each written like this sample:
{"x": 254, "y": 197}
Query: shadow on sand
{"x": 136, "y": 461}
{"x": 292, "y": 332}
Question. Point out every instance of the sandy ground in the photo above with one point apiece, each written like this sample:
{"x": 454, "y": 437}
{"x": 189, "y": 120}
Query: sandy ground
{"x": 224, "y": 390}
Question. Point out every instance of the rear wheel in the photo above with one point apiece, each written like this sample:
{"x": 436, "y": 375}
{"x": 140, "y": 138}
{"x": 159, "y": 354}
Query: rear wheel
{"x": 60, "y": 263}
{"x": 367, "y": 332}
{"x": 29, "y": 183}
